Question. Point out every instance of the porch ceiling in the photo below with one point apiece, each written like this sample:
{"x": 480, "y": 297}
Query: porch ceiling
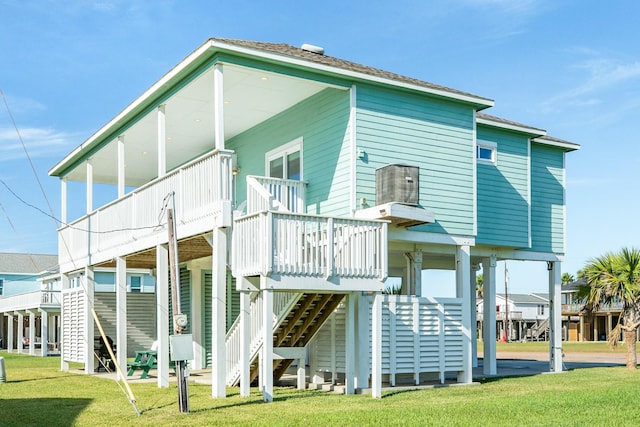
{"x": 188, "y": 249}
{"x": 251, "y": 96}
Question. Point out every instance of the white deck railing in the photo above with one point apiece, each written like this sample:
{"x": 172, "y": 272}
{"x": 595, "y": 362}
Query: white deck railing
{"x": 268, "y": 243}
{"x": 30, "y": 300}
{"x": 198, "y": 186}
{"x": 282, "y": 304}
{"x": 275, "y": 194}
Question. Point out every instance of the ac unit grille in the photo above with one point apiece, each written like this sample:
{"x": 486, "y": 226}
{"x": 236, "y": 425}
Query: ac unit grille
{"x": 398, "y": 183}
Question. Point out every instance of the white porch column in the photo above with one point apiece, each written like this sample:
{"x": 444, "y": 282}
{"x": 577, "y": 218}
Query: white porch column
{"x": 121, "y": 312}
{"x": 162, "y": 142}
{"x": 218, "y": 106}
{"x": 89, "y": 322}
{"x": 20, "y": 331}
{"x": 266, "y": 372}
{"x": 64, "y": 284}
{"x": 463, "y": 291}
{"x": 197, "y": 319}
{"x": 376, "y": 347}
{"x": 489, "y": 366}
{"x": 32, "y": 332}
{"x": 10, "y": 321}
{"x": 581, "y": 328}
{"x": 121, "y": 177}
{"x": 474, "y": 316}
{"x": 218, "y": 304}
{"x": 245, "y": 343}
{"x": 162, "y": 307}
{"x": 89, "y": 165}
{"x": 44, "y": 333}
{"x": 350, "y": 344}
{"x": 63, "y": 200}
{"x": 362, "y": 341}
{"x": 555, "y": 317}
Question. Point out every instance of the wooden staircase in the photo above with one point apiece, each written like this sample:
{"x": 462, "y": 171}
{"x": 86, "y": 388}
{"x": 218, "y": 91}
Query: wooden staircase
{"x": 299, "y": 327}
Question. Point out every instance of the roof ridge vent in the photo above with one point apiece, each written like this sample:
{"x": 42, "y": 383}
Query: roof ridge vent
{"x": 313, "y": 49}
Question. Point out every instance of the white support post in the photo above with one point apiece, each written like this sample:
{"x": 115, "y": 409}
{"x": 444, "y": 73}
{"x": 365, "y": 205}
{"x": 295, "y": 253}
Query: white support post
{"x": 376, "y": 347}
{"x": 32, "y": 333}
{"x": 218, "y": 106}
{"x": 89, "y": 282}
{"x": 350, "y": 345}
{"x": 162, "y": 142}
{"x": 20, "y": 330}
{"x": 63, "y": 200}
{"x": 463, "y": 291}
{"x": 197, "y": 319}
{"x": 64, "y": 284}
{"x": 89, "y": 207}
{"x": 219, "y": 283}
{"x": 301, "y": 374}
{"x": 10, "y": 321}
{"x": 245, "y": 343}
{"x": 44, "y": 333}
{"x": 555, "y": 317}
{"x": 417, "y": 272}
{"x": 162, "y": 307}
{"x": 489, "y": 366}
{"x": 121, "y": 312}
{"x": 474, "y": 316}
{"x": 121, "y": 162}
{"x": 267, "y": 345}
{"x": 362, "y": 341}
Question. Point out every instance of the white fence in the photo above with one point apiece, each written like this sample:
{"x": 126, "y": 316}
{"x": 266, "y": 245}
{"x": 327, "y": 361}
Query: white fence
{"x": 133, "y": 219}
{"x": 267, "y": 243}
{"x": 420, "y": 336}
{"x": 73, "y": 325}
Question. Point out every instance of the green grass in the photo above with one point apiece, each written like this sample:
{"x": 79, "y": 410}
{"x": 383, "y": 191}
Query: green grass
{"x": 567, "y": 347}
{"x": 37, "y": 393}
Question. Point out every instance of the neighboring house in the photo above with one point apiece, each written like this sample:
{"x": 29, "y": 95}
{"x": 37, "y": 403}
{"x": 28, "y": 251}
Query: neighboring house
{"x": 525, "y": 316}
{"x": 299, "y": 182}
{"x": 583, "y": 325}
{"x": 29, "y": 303}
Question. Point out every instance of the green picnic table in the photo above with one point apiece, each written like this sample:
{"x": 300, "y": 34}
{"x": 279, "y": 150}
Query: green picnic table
{"x": 145, "y": 360}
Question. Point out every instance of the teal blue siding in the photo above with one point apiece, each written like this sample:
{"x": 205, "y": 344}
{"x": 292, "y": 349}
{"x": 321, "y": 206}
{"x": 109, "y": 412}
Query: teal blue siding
{"x": 322, "y": 121}
{"x": 14, "y": 284}
{"x": 503, "y": 191}
{"x": 435, "y": 135}
{"x": 547, "y": 199}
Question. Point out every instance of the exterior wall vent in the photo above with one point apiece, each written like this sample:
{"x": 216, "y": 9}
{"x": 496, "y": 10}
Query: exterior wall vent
{"x": 313, "y": 49}
{"x": 398, "y": 183}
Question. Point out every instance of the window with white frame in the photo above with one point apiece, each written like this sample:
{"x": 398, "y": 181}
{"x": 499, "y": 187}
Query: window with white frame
{"x": 486, "y": 152}
{"x": 540, "y": 309}
{"x": 1, "y": 287}
{"x": 286, "y": 161}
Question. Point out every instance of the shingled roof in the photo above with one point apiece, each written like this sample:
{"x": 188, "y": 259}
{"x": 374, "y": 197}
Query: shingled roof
{"x": 322, "y": 59}
{"x": 16, "y": 263}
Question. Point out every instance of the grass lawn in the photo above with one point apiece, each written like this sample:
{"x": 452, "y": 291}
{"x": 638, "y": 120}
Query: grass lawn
{"x": 567, "y": 347}
{"x": 37, "y": 393}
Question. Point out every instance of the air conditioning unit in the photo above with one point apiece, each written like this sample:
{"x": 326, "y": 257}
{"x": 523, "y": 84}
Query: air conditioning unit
{"x": 398, "y": 183}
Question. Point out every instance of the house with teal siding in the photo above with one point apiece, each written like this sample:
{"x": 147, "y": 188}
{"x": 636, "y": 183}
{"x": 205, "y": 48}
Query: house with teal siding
{"x": 298, "y": 183}
{"x": 29, "y": 303}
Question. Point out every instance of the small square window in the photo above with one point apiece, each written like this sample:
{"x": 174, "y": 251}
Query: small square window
{"x": 486, "y": 152}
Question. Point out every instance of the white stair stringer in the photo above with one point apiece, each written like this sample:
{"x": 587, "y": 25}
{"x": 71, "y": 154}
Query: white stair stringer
{"x": 283, "y": 303}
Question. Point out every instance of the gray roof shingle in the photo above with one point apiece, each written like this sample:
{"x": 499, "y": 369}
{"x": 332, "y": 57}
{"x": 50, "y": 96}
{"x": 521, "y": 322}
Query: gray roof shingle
{"x": 16, "y": 263}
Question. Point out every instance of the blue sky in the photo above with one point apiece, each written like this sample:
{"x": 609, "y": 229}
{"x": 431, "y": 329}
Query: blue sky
{"x": 571, "y": 67}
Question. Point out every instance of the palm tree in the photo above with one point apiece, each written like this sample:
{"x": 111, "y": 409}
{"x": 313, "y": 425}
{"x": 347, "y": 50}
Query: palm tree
{"x": 566, "y": 278}
{"x": 479, "y": 288}
{"x": 615, "y": 278}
